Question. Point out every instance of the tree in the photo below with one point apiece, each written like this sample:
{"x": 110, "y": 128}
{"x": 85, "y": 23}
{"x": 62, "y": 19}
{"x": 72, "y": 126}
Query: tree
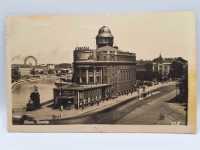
{"x": 178, "y": 68}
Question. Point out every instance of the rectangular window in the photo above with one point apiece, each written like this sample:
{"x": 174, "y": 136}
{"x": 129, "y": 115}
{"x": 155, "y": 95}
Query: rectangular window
{"x": 91, "y": 79}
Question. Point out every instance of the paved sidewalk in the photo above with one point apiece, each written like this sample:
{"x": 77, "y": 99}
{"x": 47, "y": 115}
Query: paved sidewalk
{"x": 47, "y": 113}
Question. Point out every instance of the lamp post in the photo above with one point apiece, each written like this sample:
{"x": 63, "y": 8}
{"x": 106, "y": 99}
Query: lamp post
{"x": 177, "y": 83}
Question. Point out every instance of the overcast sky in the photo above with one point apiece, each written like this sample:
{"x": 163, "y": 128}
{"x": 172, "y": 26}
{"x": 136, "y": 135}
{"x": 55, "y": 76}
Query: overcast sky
{"x": 52, "y": 39}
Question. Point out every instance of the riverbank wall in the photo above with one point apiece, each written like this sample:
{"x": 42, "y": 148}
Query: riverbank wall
{"x": 33, "y": 79}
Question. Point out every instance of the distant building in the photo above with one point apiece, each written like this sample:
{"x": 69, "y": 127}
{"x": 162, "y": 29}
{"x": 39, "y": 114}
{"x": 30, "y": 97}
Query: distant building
{"x": 144, "y": 70}
{"x": 162, "y": 67}
{"x": 99, "y": 73}
{"x": 40, "y": 69}
{"x": 21, "y": 70}
{"x": 64, "y": 69}
{"x": 50, "y": 66}
{"x": 63, "y": 65}
{"x": 15, "y": 73}
{"x": 25, "y": 70}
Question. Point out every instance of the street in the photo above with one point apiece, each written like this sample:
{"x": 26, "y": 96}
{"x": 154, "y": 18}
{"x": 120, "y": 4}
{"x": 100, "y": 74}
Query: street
{"x": 159, "y": 111}
{"x": 156, "y": 109}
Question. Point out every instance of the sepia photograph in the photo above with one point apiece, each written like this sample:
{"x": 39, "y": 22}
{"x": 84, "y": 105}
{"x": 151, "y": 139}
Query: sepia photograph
{"x": 102, "y": 73}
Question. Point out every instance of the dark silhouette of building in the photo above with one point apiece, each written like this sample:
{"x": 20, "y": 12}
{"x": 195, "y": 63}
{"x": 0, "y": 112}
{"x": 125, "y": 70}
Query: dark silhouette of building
{"x": 15, "y": 72}
{"x": 144, "y": 70}
{"x": 161, "y": 69}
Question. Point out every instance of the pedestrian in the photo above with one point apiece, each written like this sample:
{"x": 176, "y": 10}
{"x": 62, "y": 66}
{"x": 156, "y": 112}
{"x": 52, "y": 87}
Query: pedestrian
{"x": 61, "y": 107}
{"x": 138, "y": 93}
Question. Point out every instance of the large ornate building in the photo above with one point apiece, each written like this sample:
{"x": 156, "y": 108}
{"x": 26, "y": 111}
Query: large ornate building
{"x": 100, "y": 73}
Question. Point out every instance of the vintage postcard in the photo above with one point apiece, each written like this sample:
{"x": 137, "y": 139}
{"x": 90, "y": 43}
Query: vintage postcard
{"x": 102, "y": 73}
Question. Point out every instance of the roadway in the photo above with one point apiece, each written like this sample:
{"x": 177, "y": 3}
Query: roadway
{"x": 156, "y": 109}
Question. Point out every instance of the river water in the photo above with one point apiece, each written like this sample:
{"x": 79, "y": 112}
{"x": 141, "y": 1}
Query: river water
{"x": 21, "y": 93}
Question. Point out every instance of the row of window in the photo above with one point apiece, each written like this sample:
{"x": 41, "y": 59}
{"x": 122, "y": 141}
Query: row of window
{"x": 114, "y": 58}
{"x": 90, "y": 79}
{"x": 126, "y": 75}
{"x": 90, "y": 70}
{"x": 91, "y": 94}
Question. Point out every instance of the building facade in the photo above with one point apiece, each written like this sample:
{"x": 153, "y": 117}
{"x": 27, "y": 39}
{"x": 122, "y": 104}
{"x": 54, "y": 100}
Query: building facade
{"x": 101, "y": 73}
{"x": 162, "y": 67}
{"x": 15, "y": 73}
{"x": 144, "y": 70}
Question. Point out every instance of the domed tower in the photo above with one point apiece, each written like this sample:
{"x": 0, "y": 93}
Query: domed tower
{"x": 104, "y": 37}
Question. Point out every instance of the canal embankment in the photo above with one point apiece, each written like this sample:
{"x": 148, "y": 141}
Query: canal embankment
{"x": 22, "y": 89}
{"x": 33, "y": 80}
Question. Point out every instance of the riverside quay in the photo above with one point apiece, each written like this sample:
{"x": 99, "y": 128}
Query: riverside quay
{"x": 98, "y": 74}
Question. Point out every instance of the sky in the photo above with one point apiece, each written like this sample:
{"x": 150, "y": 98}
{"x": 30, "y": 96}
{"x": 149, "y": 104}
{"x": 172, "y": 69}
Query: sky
{"x": 52, "y": 39}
